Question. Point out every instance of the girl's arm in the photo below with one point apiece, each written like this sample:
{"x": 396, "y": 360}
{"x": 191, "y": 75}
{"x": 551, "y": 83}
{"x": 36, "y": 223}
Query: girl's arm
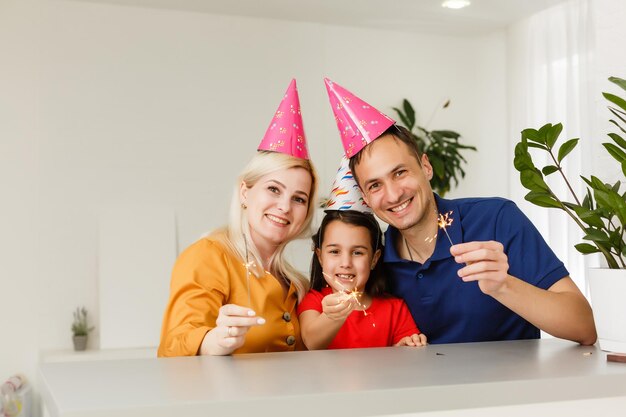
{"x": 319, "y": 329}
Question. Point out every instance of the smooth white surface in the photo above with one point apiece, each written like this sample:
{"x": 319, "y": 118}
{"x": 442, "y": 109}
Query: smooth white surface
{"x": 136, "y": 252}
{"x": 354, "y": 382}
{"x": 67, "y": 355}
{"x": 423, "y": 16}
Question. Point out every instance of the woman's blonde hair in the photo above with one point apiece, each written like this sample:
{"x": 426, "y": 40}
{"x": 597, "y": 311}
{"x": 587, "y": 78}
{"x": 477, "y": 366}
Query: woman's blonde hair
{"x": 236, "y": 236}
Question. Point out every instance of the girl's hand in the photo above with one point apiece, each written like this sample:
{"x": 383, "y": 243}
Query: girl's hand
{"x": 413, "y": 340}
{"x": 233, "y": 323}
{"x": 337, "y": 306}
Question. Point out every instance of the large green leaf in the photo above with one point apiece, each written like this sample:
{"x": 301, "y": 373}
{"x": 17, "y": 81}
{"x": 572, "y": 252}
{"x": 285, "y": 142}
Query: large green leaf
{"x": 533, "y": 180}
{"x": 446, "y": 134}
{"x": 542, "y": 199}
{"x": 566, "y": 148}
{"x": 596, "y": 236}
{"x": 438, "y": 166}
{"x": 618, "y": 140}
{"x": 615, "y": 152}
{"x": 409, "y": 112}
{"x": 618, "y": 81}
{"x": 522, "y": 159}
{"x": 591, "y": 217}
{"x": 403, "y": 118}
{"x": 544, "y": 131}
{"x": 533, "y": 135}
{"x": 586, "y": 248}
{"x": 549, "y": 169}
{"x": 618, "y": 101}
{"x": 553, "y": 134}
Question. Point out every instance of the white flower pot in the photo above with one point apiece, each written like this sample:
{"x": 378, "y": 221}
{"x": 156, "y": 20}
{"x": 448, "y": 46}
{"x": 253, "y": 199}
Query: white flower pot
{"x": 608, "y": 300}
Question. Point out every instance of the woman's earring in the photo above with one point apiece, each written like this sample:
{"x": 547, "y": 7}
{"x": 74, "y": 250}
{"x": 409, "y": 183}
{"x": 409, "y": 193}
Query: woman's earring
{"x": 243, "y": 206}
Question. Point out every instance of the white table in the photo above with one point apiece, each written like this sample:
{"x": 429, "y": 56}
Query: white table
{"x": 440, "y": 380}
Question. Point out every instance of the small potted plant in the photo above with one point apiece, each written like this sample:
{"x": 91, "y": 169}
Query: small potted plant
{"x": 80, "y": 328}
{"x": 601, "y": 214}
{"x": 442, "y": 147}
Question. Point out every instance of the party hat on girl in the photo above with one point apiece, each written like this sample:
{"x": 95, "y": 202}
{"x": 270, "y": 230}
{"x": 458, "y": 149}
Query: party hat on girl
{"x": 286, "y": 132}
{"x": 358, "y": 122}
{"x": 345, "y": 193}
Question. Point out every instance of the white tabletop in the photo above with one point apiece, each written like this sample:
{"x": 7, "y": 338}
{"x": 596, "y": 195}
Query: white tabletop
{"x": 335, "y": 382}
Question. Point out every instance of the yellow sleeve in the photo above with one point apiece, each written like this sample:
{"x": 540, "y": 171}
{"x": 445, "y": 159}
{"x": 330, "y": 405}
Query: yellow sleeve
{"x": 200, "y": 286}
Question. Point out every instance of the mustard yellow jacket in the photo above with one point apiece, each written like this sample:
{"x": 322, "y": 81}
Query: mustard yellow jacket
{"x": 205, "y": 277}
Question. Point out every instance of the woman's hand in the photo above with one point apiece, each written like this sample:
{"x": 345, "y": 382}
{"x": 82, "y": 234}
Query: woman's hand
{"x": 338, "y": 306}
{"x": 413, "y": 340}
{"x": 233, "y": 323}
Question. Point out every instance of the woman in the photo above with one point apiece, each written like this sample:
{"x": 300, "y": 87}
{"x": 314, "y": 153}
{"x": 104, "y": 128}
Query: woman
{"x": 233, "y": 291}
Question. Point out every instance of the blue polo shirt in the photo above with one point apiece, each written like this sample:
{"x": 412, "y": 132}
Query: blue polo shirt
{"x": 448, "y": 310}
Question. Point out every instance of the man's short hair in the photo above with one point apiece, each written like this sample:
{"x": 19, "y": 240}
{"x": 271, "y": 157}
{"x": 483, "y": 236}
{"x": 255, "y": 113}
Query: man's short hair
{"x": 398, "y": 132}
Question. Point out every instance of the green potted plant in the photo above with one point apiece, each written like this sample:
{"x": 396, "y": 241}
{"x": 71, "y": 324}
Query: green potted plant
{"x": 601, "y": 214}
{"x": 80, "y": 328}
{"x": 441, "y": 146}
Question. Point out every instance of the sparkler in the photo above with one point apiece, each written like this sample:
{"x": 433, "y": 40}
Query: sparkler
{"x": 247, "y": 265}
{"x": 354, "y": 294}
{"x": 444, "y": 220}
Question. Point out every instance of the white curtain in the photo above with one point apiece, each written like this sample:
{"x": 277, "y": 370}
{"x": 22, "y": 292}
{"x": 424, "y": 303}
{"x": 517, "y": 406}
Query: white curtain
{"x": 549, "y": 59}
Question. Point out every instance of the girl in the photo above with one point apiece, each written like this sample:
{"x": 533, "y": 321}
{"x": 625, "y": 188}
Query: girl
{"x": 220, "y": 283}
{"x": 346, "y": 306}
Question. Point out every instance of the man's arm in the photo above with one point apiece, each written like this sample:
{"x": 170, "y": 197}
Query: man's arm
{"x": 561, "y": 310}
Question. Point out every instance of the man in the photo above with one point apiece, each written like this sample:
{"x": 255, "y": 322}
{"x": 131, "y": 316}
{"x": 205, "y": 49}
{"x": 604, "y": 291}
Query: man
{"x": 498, "y": 281}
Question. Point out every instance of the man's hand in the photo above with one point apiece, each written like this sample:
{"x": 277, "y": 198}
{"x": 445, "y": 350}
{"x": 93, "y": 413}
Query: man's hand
{"x": 485, "y": 262}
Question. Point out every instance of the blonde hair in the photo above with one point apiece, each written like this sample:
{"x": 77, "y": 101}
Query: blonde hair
{"x": 236, "y": 236}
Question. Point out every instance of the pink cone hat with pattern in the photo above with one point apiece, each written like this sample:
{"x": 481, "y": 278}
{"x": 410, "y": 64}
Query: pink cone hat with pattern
{"x": 345, "y": 193}
{"x": 358, "y": 122}
{"x": 286, "y": 132}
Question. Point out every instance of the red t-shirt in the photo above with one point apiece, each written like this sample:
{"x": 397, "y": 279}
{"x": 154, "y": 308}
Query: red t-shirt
{"x": 387, "y": 321}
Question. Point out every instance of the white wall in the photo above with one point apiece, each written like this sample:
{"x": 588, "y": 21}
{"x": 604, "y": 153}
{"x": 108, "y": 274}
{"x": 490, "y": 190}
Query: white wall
{"x": 610, "y": 60}
{"x": 107, "y": 105}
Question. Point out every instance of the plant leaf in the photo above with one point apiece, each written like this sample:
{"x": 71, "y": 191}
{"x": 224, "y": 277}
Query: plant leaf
{"x": 553, "y": 134}
{"x": 617, "y": 114}
{"x": 533, "y": 180}
{"x": 549, "y": 169}
{"x": 620, "y": 102}
{"x": 618, "y": 139}
{"x": 537, "y": 145}
{"x": 591, "y": 217}
{"x": 618, "y": 126}
{"x": 615, "y": 152}
{"x": 532, "y": 135}
{"x": 409, "y": 112}
{"x": 586, "y": 248}
{"x": 619, "y": 82}
{"x": 566, "y": 148}
{"x": 403, "y": 118}
{"x": 542, "y": 199}
{"x": 596, "y": 236}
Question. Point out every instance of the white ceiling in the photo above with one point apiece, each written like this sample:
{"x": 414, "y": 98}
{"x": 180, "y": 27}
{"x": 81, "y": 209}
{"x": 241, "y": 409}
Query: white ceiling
{"x": 423, "y": 16}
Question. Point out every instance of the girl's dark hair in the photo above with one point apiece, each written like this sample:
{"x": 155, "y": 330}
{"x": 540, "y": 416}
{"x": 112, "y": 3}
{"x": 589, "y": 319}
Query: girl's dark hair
{"x": 375, "y": 285}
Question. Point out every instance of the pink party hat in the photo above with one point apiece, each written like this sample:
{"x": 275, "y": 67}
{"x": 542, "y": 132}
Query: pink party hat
{"x": 345, "y": 193}
{"x": 286, "y": 132}
{"x": 358, "y": 122}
